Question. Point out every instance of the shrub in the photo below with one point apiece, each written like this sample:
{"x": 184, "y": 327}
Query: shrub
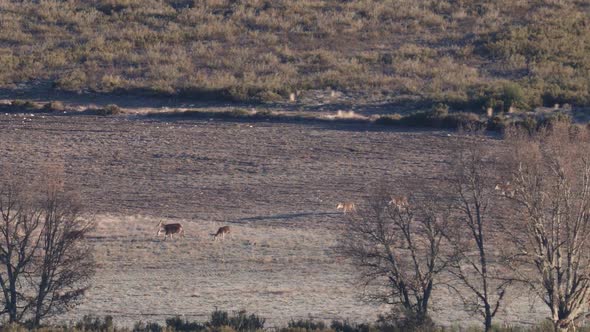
{"x": 440, "y": 110}
{"x": 389, "y": 120}
{"x": 147, "y": 327}
{"x": 178, "y": 324}
{"x": 555, "y": 118}
{"x": 93, "y": 323}
{"x": 529, "y": 123}
{"x": 239, "y": 321}
{"x": 239, "y": 113}
{"x": 497, "y": 122}
{"x": 111, "y": 109}
{"x": 54, "y": 106}
{"x": 462, "y": 120}
{"x": 307, "y": 324}
{"x": 264, "y": 114}
{"x": 406, "y": 322}
{"x": 513, "y": 96}
{"x": 346, "y": 326}
{"x": 24, "y": 104}
{"x": 269, "y": 96}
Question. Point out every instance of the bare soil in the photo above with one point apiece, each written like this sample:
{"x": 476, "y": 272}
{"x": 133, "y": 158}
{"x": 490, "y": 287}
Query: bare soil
{"x": 275, "y": 184}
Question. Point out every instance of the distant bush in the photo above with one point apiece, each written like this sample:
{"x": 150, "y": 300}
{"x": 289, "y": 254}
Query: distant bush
{"x": 555, "y": 118}
{"x": 389, "y": 120}
{"x": 54, "y": 106}
{"x": 239, "y": 321}
{"x": 178, "y": 324}
{"x": 24, "y": 104}
{"x": 111, "y": 109}
{"x": 93, "y": 323}
{"x": 436, "y": 118}
{"x": 347, "y": 326}
{"x": 307, "y": 324}
{"x": 147, "y": 327}
{"x": 498, "y": 122}
{"x": 513, "y": 96}
{"x": 269, "y": 96}
{"x": 239, "y": 112}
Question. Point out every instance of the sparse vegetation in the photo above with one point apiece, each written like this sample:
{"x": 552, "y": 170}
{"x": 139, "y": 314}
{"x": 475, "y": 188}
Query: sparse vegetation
{"x": 105, "y": 324}
{"x": 110, "y": 109}
{"x": 466, "y": 54}
{"x": 54, "y": 106}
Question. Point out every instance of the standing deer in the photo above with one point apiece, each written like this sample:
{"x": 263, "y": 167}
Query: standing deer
{"x": 399, "y": 202}
{"x": 170, "y": 229}
{"x": 346, "y": 207}
{"x": 505, "y": 189}
{"x": 222, "y": 231}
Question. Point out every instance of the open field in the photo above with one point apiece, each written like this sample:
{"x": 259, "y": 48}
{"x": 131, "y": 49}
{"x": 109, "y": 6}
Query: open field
{"x": 276, "y": 184}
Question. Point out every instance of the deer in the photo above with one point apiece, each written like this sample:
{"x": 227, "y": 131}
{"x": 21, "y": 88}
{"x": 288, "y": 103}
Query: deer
{"x": 170, "y": 229}
{"x": 346, "y": 207}
{"x": 399, "y": 202}
{"x": 505, "y": 189}
{"x": 222, "y": 231}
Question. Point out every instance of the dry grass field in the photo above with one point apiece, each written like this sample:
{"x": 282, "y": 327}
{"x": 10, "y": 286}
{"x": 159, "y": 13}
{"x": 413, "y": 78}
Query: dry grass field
{"x": 407, "y": 53}
{"x": 275, "y": 184}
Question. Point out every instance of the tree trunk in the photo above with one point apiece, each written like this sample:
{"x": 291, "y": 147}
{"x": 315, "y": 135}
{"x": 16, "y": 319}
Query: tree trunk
{"x": 488, "y": 318}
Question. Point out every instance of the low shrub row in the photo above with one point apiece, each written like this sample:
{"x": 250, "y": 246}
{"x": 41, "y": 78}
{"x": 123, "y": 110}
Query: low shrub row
{"x": 241, "y": 321}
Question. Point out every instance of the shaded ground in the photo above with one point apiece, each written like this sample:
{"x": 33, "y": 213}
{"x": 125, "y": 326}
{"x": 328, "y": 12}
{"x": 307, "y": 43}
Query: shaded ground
{"x": 277, "y": 184}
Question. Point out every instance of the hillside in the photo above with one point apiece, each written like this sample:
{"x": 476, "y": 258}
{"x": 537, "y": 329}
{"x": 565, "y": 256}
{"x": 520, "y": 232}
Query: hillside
{"x": 469, "y": 54}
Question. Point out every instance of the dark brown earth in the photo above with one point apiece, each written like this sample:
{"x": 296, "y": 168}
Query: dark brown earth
{"x": 213, "y": 170}
{"x": 276, "y": 184}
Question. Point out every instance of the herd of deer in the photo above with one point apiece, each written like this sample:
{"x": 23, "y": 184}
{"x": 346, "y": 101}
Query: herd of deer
{"x": 346, "y": 207}
{"x": 398, "y": 202}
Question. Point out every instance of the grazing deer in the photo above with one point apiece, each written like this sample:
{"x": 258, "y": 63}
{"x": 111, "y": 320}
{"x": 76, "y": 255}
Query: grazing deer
{"x": 170, "y": 229}
{"x": 399, "y": 202}
{"x": 346, "y": 207}
{"x": 505, "y": 189}
{"x": 222, "y": 231}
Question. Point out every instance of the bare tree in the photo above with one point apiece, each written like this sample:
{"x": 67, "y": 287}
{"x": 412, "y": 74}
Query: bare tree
{"x": 398, "y": 249}
{"x": 550, "y": 189}
{"x": 477, "y": 267}
{"x": 65, "y": 264}
{"x": 18, "y": 243}
{"x": 44, "y": 263}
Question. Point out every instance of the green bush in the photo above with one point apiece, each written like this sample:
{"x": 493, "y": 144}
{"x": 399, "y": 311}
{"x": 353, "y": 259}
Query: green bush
{"x": 513, "y": 96}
